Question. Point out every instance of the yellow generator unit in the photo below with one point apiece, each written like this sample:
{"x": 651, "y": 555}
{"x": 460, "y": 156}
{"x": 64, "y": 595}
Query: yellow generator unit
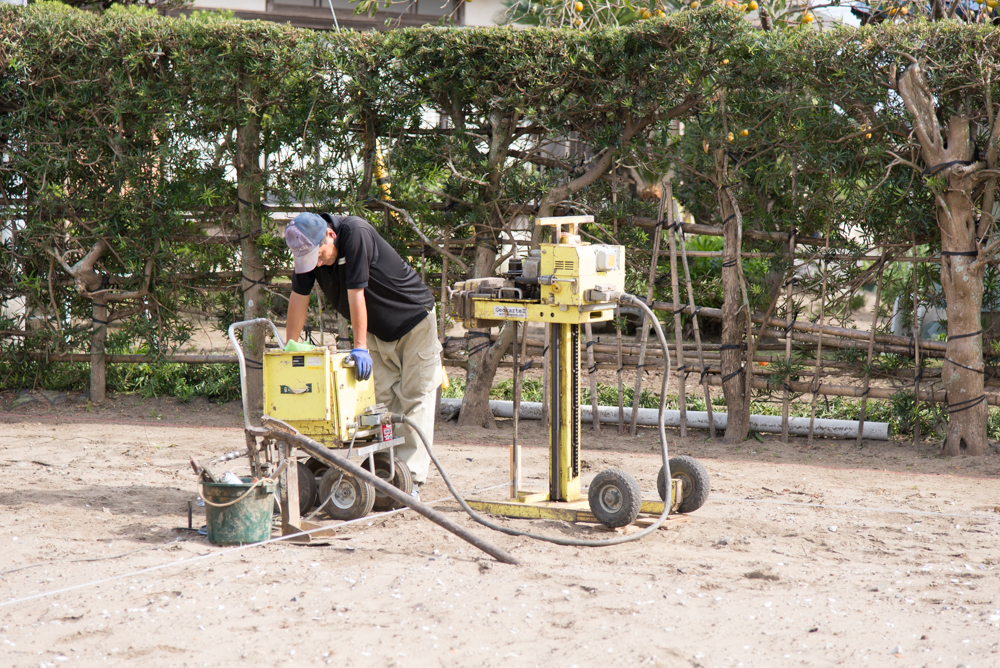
{"x": 317, "y": 393}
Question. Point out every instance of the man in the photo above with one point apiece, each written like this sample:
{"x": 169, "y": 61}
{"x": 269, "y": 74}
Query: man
{"x": 391, "y": 313}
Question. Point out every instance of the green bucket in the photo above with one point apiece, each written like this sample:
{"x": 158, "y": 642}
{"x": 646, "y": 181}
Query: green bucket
{"x": 248, "y": 520}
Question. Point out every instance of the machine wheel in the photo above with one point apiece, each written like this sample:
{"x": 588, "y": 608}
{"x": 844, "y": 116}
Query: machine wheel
{"x": 615, "y": 498}
{"x": 403, "y": 480}
{"x": 352, "y": 499}
{"x": 696, "y": 483}
{"x": 307, "y": 490}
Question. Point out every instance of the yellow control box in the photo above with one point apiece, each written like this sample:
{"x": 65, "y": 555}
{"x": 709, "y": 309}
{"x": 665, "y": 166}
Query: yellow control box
{"x": 315, "y": 393}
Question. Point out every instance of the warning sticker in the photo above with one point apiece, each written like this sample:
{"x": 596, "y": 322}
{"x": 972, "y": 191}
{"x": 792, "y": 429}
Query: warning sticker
{"x": 514, "y": 312}
{"x": 314, "y": 361}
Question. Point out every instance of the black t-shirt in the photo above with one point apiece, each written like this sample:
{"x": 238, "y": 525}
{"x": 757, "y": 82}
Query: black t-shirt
{"x": 396, "y": 298}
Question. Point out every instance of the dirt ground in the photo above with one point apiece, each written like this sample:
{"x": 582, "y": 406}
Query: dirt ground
{"x": 829, "y": 556}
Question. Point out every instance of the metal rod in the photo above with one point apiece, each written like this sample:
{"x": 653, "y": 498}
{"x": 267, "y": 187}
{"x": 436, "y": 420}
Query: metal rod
{"x": 330, "y": 457}
{"x": 592, "y": 371}
{"x": 555, "y": 414}
{"x": 515, "y": 449}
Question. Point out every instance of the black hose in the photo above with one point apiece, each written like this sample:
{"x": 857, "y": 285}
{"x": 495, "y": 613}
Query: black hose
{"x": 576, "y": 542}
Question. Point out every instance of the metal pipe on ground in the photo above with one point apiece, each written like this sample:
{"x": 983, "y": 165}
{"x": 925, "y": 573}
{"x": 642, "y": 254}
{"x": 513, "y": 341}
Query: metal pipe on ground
{"x": 767, "y": 424}
{"x": 276, "y": 429}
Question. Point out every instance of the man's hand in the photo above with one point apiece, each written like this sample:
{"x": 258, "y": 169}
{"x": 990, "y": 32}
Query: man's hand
{"x": 362, "y": 363}
{"x": 298, "y": 309}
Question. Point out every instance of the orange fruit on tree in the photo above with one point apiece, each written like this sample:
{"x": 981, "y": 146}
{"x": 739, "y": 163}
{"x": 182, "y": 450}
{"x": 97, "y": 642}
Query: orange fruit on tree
{"x": 752, "y": 6}
{"x": 578, "y": 6}
{"x": 744, "y": 133}
{"x": 808, "y": 17}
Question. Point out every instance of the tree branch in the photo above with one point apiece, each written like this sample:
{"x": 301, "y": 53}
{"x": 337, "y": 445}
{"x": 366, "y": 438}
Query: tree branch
{"x": 413, "y": 224}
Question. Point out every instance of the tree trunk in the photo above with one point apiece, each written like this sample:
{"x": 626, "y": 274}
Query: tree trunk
{"x": 948, "y": 155}
{"x": 734, "y": 325}
{"x": 962, "y": 280}
{"x": 98, "y": 369}
{"x": 248, "y": 190}
{"x": 483, "y": 363}
{"x": 484, "y": 358}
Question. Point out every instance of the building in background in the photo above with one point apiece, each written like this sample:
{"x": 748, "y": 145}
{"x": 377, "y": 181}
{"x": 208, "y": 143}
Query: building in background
{"x": 316, "y": 14}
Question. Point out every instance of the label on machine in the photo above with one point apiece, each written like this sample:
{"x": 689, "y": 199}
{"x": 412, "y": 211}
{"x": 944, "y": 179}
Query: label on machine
{"x": 510, "y": 311}
{"x": 387, "y": 432}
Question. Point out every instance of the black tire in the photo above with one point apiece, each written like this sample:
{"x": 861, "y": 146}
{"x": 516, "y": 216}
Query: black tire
{"x": 403, "y": 480}
{"x": 354, "y": 498}
{"x": 696, "y": 483}
{"x": 307, "y": 490}
{"x": 615, "y": 498}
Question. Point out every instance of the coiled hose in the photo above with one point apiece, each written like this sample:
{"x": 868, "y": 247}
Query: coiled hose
{"x": 559, "y": 540}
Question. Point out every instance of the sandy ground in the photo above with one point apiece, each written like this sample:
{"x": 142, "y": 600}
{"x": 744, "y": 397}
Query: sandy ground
{"x": 830, "y": 556}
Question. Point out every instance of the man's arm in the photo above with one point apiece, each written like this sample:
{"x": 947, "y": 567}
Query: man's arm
{"x": 359, "y": 316}
{"x": 298, "y": 309}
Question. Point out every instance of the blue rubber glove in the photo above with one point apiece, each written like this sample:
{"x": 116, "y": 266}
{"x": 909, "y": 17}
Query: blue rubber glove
{"x": 362, "y": 363}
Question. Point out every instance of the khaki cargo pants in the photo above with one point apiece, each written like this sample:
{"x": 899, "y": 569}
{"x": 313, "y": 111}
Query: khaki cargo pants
{"x": 407, "y": 374}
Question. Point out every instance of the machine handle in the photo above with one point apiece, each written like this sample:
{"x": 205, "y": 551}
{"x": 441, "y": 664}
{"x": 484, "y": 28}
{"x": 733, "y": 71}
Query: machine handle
{"x": 239, "y": 354}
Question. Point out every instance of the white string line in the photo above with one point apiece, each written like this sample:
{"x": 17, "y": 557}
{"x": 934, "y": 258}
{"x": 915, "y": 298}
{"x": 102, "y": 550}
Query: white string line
{"x": 825, "y": 505}
{"x": 230, "y": 550}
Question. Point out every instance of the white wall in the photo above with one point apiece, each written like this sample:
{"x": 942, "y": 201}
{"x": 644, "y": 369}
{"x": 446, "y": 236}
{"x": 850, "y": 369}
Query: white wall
{"x": 235, "y": 5}
{"x": 482, "y": 12}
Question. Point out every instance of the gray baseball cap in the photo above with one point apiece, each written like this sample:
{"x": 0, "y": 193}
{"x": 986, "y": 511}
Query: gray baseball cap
{"x": 303, "y": 236}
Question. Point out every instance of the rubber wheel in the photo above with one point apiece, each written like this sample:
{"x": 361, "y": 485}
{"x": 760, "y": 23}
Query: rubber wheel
{"x": 403, "y": 480}
{"x": 353, "y": 499}
{"x": 615, "y": 498}
{"x": 696, "y": 483}
{"x": 307, "y": 490}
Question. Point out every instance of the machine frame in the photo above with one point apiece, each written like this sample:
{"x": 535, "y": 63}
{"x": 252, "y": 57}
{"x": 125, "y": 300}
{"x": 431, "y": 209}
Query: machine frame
{"x": 564, "y": 309}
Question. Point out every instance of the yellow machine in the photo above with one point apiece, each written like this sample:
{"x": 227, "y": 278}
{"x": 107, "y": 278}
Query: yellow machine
{"x": 318, "y": 394}
{"x": 565, "y": 284}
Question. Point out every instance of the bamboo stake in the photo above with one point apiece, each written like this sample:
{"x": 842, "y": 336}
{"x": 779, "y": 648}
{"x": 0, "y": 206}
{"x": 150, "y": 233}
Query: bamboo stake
{"x": 442, "y": 316}
{"x": 819, "y": 344}
{"x": 871, "y": 346}
{"x": 621, "y": 384}
{"x": 637, "y": 391}
{"x": 916, "y": 348}
{"x": 675, "y": 289}
{"x": 697, "y": 331}
{"x": 592, "y": 370}
{"x": 789, "y": 312}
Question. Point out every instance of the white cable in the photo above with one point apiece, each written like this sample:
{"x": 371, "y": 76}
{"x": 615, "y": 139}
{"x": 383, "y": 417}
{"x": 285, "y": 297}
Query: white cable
{"x": 226, "y": 551}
